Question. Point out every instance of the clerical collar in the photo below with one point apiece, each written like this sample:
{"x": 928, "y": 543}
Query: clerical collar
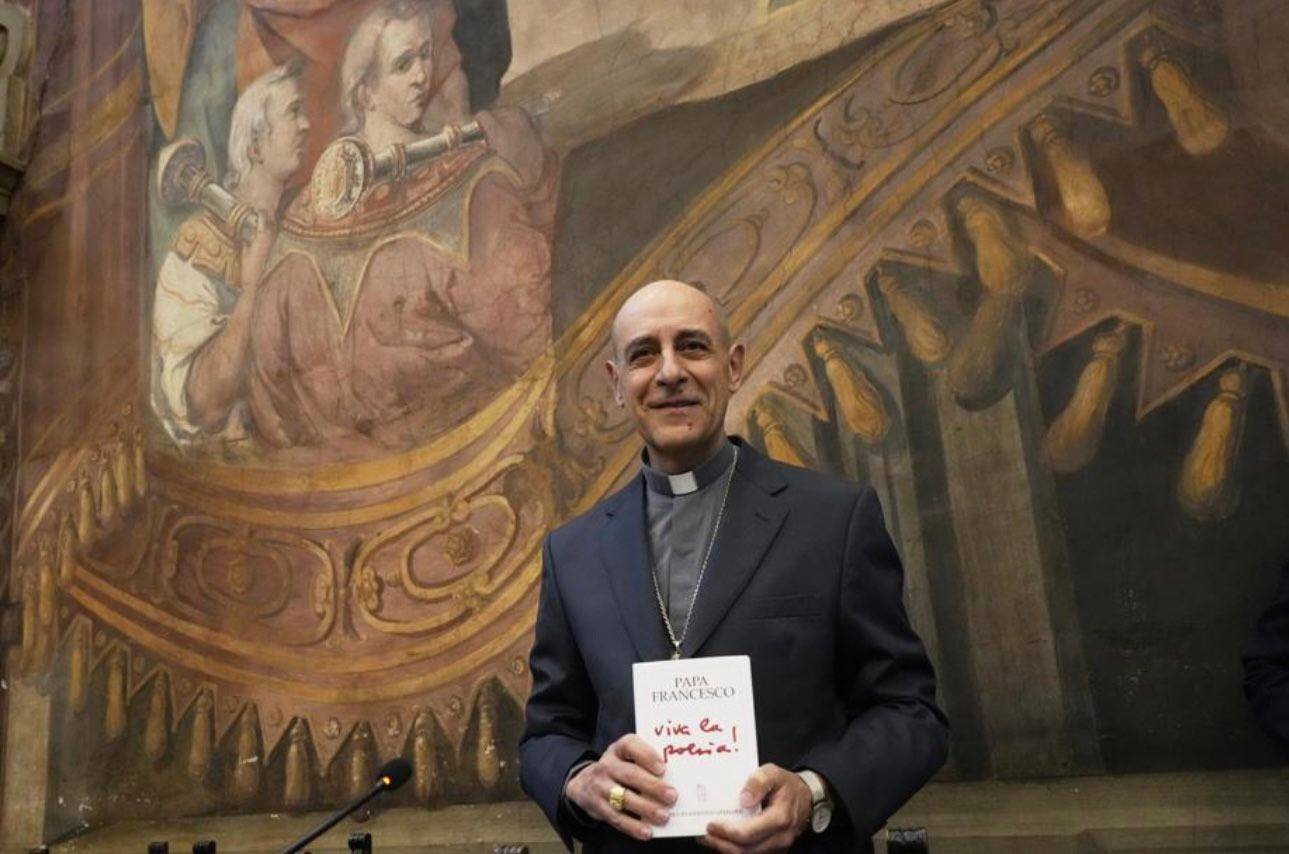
{"x": 689, "y": 481}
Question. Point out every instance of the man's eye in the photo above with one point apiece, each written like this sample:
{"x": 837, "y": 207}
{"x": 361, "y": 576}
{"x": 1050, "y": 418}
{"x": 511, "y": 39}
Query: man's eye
{"x": 693, "y": 347}
{"x": 403, "y": 65}
{"x": 641, "y": 358}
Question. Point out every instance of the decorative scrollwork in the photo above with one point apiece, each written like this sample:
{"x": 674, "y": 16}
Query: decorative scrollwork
{"x": 1177, "y": 357}
{"x": 792, "y": 182}
{"x": 210, "y": 570}
{"x": 851, "y": 308}
{"x": 1103, "y": 82}
{"x": 368, "y": 589}
{"x": 923, "y": 233}
{"x": 1000, "y": 160}
{"x": 417, "y": 554}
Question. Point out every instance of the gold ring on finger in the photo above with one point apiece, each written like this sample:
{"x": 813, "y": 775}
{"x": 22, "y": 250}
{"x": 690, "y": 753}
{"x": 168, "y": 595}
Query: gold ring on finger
{"x": 618, "y": 798}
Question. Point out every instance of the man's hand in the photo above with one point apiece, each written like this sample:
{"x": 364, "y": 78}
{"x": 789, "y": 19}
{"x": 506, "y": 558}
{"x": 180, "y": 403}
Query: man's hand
{"x": 629, "y": 762}
{"x": 785, "y": 813}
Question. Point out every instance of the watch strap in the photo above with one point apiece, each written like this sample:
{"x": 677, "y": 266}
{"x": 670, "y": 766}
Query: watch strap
{"x": 815, "y": 783}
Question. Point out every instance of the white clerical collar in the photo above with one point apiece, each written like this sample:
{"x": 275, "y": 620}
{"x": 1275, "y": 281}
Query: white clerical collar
{"x": 687, "y": 482}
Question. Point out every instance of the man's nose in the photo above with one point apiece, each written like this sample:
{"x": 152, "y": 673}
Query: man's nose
{"x": 670, "y": 371}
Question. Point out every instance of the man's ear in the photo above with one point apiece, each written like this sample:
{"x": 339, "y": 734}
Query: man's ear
{"x": 736, "y": 366}
{"x": 615, "y": 380}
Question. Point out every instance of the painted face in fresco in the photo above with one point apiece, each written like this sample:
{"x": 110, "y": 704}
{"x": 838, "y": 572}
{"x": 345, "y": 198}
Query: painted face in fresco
{"x": 283, "y": 145}
{"x": 400, "y": 88}
{"x": 675, "y": 372}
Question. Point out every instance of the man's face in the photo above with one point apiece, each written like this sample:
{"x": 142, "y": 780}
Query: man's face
{"x": 675, "y": 372}
{"x": 283, "y": 145}
{"x": 399, "y": 88}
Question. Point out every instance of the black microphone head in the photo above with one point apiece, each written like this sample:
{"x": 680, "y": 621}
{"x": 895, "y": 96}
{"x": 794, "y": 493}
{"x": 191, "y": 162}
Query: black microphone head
{"x": 395, "y": 773}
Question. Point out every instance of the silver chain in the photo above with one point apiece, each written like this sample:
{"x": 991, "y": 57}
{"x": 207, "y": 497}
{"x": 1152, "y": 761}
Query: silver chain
{"x": 653, "y": 572}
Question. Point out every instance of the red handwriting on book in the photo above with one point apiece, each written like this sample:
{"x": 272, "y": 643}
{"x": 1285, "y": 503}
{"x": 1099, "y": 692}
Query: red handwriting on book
{"x": 696, "y": 748}
{"x": 670, "y": 728}
{"x": 693, "y": 748}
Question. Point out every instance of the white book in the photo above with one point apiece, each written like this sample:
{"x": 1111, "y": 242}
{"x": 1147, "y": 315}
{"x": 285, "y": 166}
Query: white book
{"x": 698, "y": 713}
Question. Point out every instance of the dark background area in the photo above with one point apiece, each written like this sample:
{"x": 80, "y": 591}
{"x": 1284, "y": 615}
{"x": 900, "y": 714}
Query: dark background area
{"x": 1166, "y": 604}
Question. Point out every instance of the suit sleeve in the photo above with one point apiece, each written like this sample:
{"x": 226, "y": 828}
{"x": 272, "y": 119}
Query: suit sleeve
{"x": 896, "y": 737}
{"x": 1266, "y": 666}
{"x": 559, "y": 720}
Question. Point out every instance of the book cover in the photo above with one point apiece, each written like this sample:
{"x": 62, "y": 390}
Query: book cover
{"x": 698, "y": 713}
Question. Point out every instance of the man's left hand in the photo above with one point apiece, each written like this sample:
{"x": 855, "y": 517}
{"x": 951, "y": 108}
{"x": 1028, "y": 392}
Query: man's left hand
{"x": 785, "y": 813}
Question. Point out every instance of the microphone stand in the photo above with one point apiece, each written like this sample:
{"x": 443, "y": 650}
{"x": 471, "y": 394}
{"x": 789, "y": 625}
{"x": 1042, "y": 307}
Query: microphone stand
{"x": 381, "y": 785}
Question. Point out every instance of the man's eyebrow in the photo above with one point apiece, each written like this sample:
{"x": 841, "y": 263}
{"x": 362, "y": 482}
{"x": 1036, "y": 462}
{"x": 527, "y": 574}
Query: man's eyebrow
{"x": 641, "y": 341}
{"x": 694, "y": 333}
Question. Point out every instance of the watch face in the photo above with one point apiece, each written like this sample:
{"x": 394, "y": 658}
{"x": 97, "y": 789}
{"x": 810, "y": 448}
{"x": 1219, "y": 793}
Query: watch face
{"x": 820, "y": 816}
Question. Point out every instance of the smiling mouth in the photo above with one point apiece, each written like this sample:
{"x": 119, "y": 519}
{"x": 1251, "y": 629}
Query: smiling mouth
{"x": 673, "y": 404}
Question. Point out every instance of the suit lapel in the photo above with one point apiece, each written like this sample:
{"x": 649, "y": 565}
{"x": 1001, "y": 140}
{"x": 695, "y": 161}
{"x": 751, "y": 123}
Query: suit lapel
{"x": 754, "y": 512}
{"x": 624, "y": 551}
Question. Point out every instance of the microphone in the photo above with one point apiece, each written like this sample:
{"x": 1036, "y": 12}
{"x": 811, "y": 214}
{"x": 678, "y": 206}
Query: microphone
{"x": 394, "y": 773}
{"x": 391, "y": 775}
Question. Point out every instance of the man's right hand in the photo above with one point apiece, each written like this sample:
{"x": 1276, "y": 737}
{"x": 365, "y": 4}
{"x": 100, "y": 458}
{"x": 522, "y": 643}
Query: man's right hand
{"x": 631, "y": 763}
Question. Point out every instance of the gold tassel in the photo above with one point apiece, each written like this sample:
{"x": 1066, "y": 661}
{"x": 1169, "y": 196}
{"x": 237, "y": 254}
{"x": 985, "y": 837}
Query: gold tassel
{"x": 140, "y": 474}
{"x": 980, "y": 372}
{"x": 30, "y": 619}
{"x": 108, "y": 510}
{"x": 1002, "y": 267}
{"x": 923, "y": 332}
{"x": 200, "y": 745}
{"x": 424, "y": 758}
{"x": 299, "y": 776}
{"x": 85, "y": 524}
{"x": 1208, "y": 489}
{"x": 66, "y": 550}
{"x": 779, "y": 444}
{"x": 1083, "y": 198}
{"x": 861, "y": 406}
{"x": 78, "y": 669}
{"x": 362, "y": 760}
{"x": 1073, "y": 438}
{"x": 114, "y": 709}
{"x": 1201, "y": 126}
{"x": 249, "y": 765}
{"x": 46, "y": 610}
{"x": 121, "y": 472}
{"x": 156, "y": 731}
{"x": 487, "y": 761}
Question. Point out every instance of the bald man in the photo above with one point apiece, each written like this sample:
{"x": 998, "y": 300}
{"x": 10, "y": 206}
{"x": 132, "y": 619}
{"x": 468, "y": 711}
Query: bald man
{"x": 716, "y": 550}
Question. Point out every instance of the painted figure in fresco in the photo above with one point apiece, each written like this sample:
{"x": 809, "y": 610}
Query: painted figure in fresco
{"x": 207, "y": 285}
{"x": 400, "y": 319}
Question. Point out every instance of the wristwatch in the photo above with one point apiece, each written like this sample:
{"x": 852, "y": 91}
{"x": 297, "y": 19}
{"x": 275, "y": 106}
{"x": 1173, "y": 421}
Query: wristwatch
{"x": 820, "y": 803}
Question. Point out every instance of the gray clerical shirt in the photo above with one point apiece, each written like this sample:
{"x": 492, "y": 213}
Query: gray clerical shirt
{"x": 681, "y": 511}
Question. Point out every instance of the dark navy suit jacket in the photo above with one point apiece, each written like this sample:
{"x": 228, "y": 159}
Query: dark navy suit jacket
{"x": 803, "y": 579}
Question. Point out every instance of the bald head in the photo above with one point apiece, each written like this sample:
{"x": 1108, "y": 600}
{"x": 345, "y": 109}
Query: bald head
{"x": 674, "y": 369}
{"x": 672, "y": 299}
